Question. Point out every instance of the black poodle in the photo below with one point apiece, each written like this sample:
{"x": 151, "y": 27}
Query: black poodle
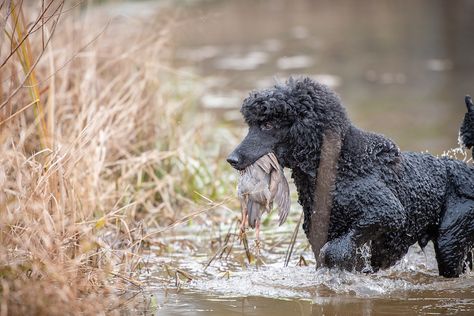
{"x": 357, "y": 187}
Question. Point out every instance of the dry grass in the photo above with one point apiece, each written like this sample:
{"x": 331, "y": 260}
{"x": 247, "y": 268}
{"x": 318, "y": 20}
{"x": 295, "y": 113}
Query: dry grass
{"x": 98, "y": 141}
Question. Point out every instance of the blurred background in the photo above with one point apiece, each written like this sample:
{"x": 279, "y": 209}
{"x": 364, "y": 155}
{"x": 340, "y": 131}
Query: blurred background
{"x": 115, "y": 121}
{"x": 402, "y": 68}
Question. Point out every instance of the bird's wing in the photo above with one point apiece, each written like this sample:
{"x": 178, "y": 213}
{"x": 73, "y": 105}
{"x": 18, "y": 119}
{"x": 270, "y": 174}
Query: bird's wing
{"x": 265, "y": 163}
{"x": 274, "y": 161}
{"x": 275, "y": 179}
{"x": 282, "y": 198}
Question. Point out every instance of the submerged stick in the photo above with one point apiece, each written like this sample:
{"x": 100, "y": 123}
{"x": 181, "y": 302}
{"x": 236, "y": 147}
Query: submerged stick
{"x": 246, "y": 246}
{"x": 289, "y": 251}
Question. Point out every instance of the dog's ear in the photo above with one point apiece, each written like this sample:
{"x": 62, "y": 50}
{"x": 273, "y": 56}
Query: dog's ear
{"x": 306, "y": 145}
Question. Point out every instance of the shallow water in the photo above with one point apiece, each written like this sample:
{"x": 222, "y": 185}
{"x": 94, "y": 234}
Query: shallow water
{"x": 232, "y": 286}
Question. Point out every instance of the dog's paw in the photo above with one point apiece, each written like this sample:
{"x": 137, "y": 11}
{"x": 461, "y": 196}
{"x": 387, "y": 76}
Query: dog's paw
{"x": 339, "y": 253}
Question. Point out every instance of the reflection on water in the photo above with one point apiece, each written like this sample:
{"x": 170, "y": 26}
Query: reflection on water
{"x": 402, "y": 67}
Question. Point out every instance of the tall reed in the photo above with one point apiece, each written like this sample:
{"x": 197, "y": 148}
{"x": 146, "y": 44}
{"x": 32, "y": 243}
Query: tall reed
{"x": 98, "y": 142}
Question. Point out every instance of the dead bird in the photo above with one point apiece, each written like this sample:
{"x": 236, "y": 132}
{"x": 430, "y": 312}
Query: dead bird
{"x": 259, "y": 185}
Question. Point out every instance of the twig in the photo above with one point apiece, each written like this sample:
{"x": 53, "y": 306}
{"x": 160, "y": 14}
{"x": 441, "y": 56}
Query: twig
{"x": 129, "y": 280}
{"x": 28, "y": 33}
{"x": 185, "y": 219}
{"x": 18, "y": 112}
{"x": 30, "y": 71}
{"x": 222, "y": 249}
{"x": 293, "y": 241}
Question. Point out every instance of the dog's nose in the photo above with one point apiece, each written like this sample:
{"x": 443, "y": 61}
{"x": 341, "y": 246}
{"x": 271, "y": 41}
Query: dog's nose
{"x": 233, "y": 159}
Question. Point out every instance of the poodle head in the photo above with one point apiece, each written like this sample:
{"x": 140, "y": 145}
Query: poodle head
{"x": 289, "y": 120}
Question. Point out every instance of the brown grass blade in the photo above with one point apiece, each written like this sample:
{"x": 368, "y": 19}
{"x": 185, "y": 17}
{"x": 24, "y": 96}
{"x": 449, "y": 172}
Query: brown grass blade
{"x": 291, "y": 246}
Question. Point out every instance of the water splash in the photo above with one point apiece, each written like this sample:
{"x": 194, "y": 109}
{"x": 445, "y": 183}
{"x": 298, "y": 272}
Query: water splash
{"x": 414, "y": 272}
{"x": 460, "y": 152}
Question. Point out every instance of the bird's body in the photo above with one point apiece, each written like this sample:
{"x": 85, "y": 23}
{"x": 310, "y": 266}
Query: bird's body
{"x": 259, "y": 185}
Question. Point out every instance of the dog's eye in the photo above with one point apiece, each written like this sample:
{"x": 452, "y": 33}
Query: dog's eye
{"x": 266, "y": 126}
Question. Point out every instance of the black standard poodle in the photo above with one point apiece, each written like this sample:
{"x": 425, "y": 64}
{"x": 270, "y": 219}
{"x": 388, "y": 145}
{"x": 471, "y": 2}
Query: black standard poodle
{"x": 357, "y": 188}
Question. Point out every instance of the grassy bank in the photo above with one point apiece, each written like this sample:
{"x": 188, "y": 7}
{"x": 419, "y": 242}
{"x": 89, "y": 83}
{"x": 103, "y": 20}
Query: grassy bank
{"x": 100, "y": 143}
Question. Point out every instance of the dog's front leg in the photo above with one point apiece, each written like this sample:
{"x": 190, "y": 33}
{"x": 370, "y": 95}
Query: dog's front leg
{"x": 381, "y": 212}
{"x": 339, "y": 252}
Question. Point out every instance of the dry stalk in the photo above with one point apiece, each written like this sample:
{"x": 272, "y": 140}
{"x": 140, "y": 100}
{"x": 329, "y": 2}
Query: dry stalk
{"x": 109, "y": 149}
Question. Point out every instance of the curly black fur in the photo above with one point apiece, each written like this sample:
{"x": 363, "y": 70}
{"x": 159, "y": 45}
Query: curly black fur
{"x": 381, "y": 195}
{"x": 467, "y": 128}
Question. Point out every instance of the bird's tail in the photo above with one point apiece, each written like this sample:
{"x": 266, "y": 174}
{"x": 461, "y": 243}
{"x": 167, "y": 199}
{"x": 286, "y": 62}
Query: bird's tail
{"x": 467, "y": 127}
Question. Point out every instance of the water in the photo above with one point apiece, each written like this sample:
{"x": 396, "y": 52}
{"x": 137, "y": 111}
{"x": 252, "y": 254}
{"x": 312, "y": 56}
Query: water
{"x": 402, "y": 69}
{"x": 232, "y": 286}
